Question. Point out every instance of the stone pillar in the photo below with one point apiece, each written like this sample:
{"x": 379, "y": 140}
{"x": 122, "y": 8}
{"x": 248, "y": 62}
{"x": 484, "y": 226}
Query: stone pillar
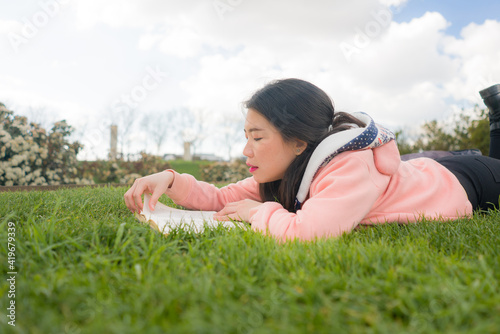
{"x": 114, "y": 143}
{"x": 187, "y": 151}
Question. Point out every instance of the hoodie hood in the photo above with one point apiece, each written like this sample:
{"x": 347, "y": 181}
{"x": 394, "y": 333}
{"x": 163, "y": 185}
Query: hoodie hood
{"x": 371, "y": 136}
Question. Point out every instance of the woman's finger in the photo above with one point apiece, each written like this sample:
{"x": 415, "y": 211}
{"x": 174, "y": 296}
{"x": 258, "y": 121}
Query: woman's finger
{"x": 234, "y": 216}
{"x": 226, "y": 217}
{"x": 155, "y": 197}
{"x": 220, "y": 218}
{"x": 228, "y": 209}
{"x": 129, "y": 199}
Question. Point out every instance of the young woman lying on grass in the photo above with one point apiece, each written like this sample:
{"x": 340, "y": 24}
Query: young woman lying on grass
{"x": 320, "y": 173}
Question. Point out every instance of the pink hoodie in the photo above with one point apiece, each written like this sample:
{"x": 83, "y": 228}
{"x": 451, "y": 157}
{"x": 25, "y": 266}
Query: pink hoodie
{"x": 368, "y": 186}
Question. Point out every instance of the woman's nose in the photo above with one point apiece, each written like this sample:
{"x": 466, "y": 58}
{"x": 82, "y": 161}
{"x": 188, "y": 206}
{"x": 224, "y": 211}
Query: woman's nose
{"x": 247, "y": 151}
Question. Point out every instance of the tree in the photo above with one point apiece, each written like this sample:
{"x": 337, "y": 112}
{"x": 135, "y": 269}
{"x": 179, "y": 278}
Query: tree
{"x": 191, "y": 126}
{"x": 39, "y": 115}
{"x": 473, "y": 132}
{"x": 232, "y": 131}
{"x": 403, "y": 141}
{"x": 470, "y": 131}
{"x": 435, "y": 137}
{"x": 158, "y": 126}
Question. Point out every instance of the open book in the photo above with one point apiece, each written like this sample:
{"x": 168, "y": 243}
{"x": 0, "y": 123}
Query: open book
{"x": 164, "y": 218}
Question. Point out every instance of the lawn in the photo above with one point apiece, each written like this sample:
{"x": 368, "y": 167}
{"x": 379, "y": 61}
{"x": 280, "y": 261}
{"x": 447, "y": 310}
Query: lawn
{"x": 189, "y": 167}
{"x": 85, "y": 265}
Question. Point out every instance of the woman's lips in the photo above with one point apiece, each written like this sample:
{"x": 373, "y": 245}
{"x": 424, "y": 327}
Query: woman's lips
{"x": 252, "y": 168}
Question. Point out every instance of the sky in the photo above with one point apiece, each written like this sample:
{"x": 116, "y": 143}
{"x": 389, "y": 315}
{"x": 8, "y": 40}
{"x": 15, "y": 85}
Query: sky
{"x": 181, "y": 69}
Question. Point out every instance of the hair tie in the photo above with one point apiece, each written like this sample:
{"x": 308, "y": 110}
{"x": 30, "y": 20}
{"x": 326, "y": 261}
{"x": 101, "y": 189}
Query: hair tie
{"x": 330, "y": 128}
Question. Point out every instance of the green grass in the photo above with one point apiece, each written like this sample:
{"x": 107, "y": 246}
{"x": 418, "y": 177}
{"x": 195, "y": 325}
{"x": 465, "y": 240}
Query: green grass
{"x": 84, "y": 265}
{"x": 189, "y": 167}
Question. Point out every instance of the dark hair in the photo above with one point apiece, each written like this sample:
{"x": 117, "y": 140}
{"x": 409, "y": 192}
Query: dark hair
{"x": 299, "y": 110}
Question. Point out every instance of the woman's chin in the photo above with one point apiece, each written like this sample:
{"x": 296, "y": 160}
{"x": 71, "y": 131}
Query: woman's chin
{"x": 263, "y": 179}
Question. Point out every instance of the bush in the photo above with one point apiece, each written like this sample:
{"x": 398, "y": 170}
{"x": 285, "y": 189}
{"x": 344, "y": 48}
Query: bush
{"x": 28, "y": 156}
{"x": 121, "y": 171}
{"x": 225, "y": 172}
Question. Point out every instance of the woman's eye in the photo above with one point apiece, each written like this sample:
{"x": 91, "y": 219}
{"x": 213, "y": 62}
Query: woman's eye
{"x": 257, "y": 139}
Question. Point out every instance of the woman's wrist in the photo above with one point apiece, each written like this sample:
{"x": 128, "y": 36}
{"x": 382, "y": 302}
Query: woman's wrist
{"x": 173, "y": 177}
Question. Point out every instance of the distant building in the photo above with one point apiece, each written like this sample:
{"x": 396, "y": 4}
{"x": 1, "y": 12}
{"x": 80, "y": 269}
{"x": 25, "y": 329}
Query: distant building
{"x": 170, "y": 156}
{"x": 113, "y": 151}
{"x": 201, "y": 156}
{"x": 208, "y": 157}
{"x": 239, "y": 158}
{"x": 187, "y": 151}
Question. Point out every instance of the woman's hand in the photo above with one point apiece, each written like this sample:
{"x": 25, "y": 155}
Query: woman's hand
{"x": 237, "y": 210}
{"x": 155, "y": 184}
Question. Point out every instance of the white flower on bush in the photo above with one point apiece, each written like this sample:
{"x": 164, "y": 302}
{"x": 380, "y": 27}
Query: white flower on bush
{"x": 29, "y": 177}
{"x": 4, "y": 136}
{"x": 16, "y": 160}
{"x": 24, "y": 148}
{"x": 9, "y": 175}
{"x": 18, "y": 171}
{"x": 40, "y": 181}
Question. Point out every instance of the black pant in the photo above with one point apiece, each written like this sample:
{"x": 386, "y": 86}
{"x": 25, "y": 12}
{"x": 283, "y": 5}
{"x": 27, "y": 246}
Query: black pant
{"x": 479, "y": 175}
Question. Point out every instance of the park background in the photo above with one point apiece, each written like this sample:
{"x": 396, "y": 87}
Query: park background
{"x": 170, "y": 72}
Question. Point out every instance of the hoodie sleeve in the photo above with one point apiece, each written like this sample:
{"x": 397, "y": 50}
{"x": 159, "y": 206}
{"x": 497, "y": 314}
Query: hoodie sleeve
{"x": 199, "y": 195}
{"x": 340, "y": 197}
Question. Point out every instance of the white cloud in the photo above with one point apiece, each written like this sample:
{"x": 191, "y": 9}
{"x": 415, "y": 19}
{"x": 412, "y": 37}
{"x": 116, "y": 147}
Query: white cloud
{"x": 224, "y": 82}
{"x": 135, "y": 13}
{"x": 408, "y": 53}
{"x": 398, "y": 76}
{"x": 404, "y": 76}
{"x": 258, "y": 22}
{"x": 7, "y": 26}
{"x": 181, "y": 43}
{"x": 478, "y": 52}
{"x": 148, "y": 40}
{"x": 8, "y": 31}
{"x": 393, "y": 3}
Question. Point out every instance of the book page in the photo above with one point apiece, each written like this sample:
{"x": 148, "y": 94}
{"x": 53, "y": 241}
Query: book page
{"x": 165, "y": 218}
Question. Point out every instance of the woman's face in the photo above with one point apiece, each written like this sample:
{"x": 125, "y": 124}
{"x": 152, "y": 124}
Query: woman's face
{"x": 268, "y": 154}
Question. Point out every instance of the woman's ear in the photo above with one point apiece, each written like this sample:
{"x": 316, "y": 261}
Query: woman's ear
{"x": 300, "y": 146}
